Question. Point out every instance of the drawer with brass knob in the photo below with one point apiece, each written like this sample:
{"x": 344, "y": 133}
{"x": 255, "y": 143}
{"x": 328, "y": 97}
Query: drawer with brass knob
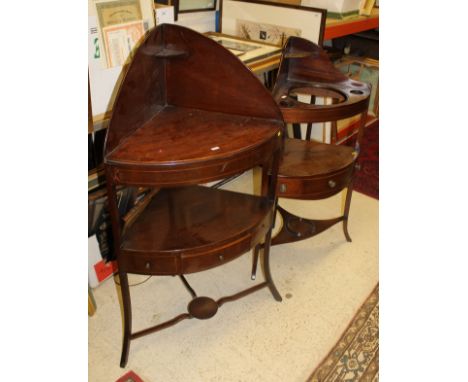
{"x": 314, "y": 187}
{"x": 196, "y": 263}
{"x": 145, "y": 264}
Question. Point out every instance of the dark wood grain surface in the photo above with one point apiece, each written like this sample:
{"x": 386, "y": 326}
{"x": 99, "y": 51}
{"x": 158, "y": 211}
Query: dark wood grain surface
{"x": 312, "y": 170}
{"x": 188, "y": 112}
{"x": 180, "y": 135}
{"x": 305, "y": 68}
{"x": 198, "y": 227}
{"x": 176, "y": 66}
{"x": 310, "y": 158}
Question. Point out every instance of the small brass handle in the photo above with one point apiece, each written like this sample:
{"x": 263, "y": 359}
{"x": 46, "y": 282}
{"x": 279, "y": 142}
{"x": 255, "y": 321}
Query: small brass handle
{"x": 331, "y": 183}
{"x": 221, "y": 257}
{"x": 148, "y": 265}
{"x": 283, "y": 188}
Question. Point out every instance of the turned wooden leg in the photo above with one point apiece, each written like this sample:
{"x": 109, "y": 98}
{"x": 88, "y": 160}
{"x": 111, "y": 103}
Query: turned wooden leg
{"x": 266, "y": 268}
{"x": 127, "y": 310}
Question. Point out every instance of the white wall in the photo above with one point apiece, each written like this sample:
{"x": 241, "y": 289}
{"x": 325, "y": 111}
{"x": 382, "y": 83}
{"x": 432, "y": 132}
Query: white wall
{"x": 199, "y": 21}
{"x": 104, "y": 81}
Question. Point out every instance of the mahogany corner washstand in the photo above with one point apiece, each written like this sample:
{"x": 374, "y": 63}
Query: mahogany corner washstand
{"x": 189, "y": 112}
{"x": 313, "y": 170}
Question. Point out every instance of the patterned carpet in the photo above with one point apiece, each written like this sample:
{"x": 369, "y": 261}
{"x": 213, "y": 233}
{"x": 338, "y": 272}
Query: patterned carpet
{"x": 367, "y": 178}
{"x": 355, "y": 357}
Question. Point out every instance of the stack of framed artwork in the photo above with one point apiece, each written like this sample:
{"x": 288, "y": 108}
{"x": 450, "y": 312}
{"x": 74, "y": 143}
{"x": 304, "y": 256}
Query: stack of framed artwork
{"x": 188, "y": 6}
{"x": 271, "y": 22}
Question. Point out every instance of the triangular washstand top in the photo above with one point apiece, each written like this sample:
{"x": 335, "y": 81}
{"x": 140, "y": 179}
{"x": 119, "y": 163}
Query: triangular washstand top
{"x": 179, "y": 67}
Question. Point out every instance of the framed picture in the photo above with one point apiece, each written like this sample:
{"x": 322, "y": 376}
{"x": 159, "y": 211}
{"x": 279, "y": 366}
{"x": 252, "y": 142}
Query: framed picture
{"x": 115, "y": 28}
{"x": 195, "y": 5}
{"x": 246, "y": 50}
{"x": 271, "y": 22}
{"x": 118, "y": 12}
{"x": 186, "y": 6}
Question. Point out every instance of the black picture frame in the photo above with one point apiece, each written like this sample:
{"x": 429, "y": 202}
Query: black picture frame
{"x": 177, "y": 8}
{"x": 322, "y": 13}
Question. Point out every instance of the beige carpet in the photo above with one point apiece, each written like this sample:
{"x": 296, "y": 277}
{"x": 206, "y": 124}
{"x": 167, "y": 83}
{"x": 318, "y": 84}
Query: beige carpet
{"x": 323, "y": 281}
{"x": 355, "y": 357}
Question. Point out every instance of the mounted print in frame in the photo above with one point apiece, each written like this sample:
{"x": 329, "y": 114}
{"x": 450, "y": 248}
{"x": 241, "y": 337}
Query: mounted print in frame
{"x": 247, "y": 51}
{"x": 271, "y": 22}
{"x": 186, "y": 6}
{"x": 196, "y": 5}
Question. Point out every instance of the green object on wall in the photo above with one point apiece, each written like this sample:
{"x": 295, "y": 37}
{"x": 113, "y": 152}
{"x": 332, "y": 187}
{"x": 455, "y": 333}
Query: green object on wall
{"x": 97, "y": 51}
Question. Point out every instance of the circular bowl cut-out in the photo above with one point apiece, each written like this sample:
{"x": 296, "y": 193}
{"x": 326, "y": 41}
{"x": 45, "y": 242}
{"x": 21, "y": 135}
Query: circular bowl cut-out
{"x": 202, "y": 308}
{"x": 318, "y": 91}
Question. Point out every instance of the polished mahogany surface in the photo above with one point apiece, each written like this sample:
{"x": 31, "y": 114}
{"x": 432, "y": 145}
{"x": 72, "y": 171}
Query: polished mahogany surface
{"x": 183, "y": 117}
{"x": 306, "y": 69}
{"x": 191, "y": 222}
{"x": 178, "y": 135}
{"x": 309, "y": 169}
{"x": 201, "y": 145}
{"x": 310, "y": 158}
{"x": 180, "y": 67}
{"x": 188, "y": 112}
{"x": 314, "y": 170}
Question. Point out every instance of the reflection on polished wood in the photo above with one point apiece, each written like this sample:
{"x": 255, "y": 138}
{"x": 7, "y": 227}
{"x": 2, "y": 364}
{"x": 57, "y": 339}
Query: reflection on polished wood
{"x": 181, "y": 119}
{"x": 313, "y": 170}
{"x": 189, "y": 140}
{"x": 193, "y": 228}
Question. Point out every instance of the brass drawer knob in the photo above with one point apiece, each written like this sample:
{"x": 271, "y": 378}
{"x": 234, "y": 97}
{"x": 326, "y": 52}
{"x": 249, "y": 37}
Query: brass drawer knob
{"x": 147, "y": 265}
{"x": 283, "y": 188}
{"x": 331, "y": 183}
{"x": 221, "y": 257}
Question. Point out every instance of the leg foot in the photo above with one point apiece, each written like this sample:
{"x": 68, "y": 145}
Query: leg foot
{"x": 349, "y": 193}
{"x": 266, "y": 268}
{"x": 345, "y": 230}
{"x": 127, "y": 310}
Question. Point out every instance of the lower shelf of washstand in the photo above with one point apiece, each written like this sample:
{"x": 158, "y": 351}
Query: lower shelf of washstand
{"x": 190, "y": 229}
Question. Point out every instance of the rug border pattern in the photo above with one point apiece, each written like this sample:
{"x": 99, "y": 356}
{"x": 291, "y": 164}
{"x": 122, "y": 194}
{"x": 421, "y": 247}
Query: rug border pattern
{"x": 325, "y": 370}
